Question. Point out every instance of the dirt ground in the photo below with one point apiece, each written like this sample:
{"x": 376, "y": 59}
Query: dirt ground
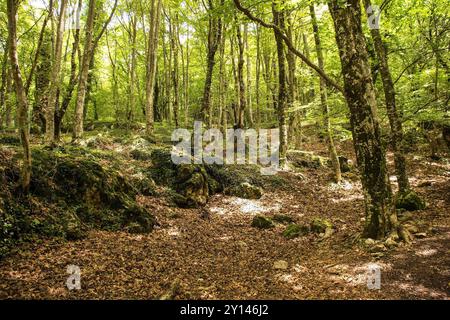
{"x": 223, "y": 257}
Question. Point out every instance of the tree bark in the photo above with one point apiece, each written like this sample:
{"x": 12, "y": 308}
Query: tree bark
{"x": 55, "y": 78}
{"x": 214, "y": 35}
{"x": 324, "y": 101}
{"x": 278, "y": 20}
{"x": 240, "y": 75}
{"x": 84, "y": 70}
{"x": 22, "y": 102}
{"x": 381, "y": 217}
{"x": 155, "y": 14}
{"x": 393, "y": 116}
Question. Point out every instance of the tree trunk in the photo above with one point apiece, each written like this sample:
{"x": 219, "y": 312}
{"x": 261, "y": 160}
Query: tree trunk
{"x": 55, "y": 78}
{"x": 278, "y": 20}
{"x": 60, "y": 112}
{"x": 240, "y": 74}
{"x": 394, "y": 118}
{"x": 84, "y": 71}
{"x": 151, "y": 64}
{"x": 324, "y": 101}
{"x": 381, "y": 217}
{"x": 42, "y": 81}
{"x": 22, "y": 103}
{"x": 214, "y": 35}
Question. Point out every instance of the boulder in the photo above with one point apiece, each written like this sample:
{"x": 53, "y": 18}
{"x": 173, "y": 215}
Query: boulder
{"x": 261, "y": 222}
{"x": 294, "y": 231}
{"x": 319, "y": 225}
{"x": 245, "y": 190}
{"x": 410, "y": 201}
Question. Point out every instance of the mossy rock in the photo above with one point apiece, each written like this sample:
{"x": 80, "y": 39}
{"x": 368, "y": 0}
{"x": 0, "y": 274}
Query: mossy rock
{"x": 295, "y": 230}
{"x": 245, "y": 190}
{"x": 410, "y": 201}
{"x": 305, "y": 159}
{"x": 261, "y": 222}
{"x": 281, "y": 218}
{"x": 319, "y": 225}
{"x": 142, "y": 155}
{"x": 344, "y": 164}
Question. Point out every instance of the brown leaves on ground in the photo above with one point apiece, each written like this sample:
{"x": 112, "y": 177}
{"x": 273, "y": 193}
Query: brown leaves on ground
{"x": 223, "y": 257}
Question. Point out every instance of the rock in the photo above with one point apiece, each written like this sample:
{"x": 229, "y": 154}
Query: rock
{"x": 192, "y": 183}
{"x": 261, "y": 222}
{"x": 420, "y": 235}
{"x": 328, "y": 233}
{"x": 281, "y": 218}
{"x": 245, "y": 190}
{"x": 369, "y": 242}
{"x": 410, "y": 201}
{"x": 74, "y": 229}
{"x": 344, "y": 164}
{"x": 390, "y": 243}
{"x": 305, "y": 159}
{"x": 139, "y": 154}
{"x": 319, "y": 225}
{"x": 294, "y": 231}
{"x": 280, "y": 265}
{"x": 378, "y": 248}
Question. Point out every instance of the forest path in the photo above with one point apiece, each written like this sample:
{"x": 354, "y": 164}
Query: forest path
{"x": 223, "y": 257}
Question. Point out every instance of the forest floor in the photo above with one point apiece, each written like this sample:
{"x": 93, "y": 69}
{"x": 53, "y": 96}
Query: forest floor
{"x": 223, "y": 257}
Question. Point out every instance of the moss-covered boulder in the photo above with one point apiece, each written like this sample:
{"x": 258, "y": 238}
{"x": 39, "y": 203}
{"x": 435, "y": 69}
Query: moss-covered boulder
{"x": 319, "y": 225}
{"x": 344, "y": 164}
{"x": 245, "y": 190}
{"x": 295, "y": 230}
{"x": 262, "y": 222}
{"x": 192, "y": 183}
{"x": 410, "y": 201}
{"x": 304, "y": 159}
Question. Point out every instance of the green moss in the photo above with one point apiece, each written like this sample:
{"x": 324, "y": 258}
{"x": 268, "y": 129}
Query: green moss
{"x": 294, "y": 231}
{"x": 261, "y": 222}
{"x": 410, "y": 201}
{"x": 319, "y": 225}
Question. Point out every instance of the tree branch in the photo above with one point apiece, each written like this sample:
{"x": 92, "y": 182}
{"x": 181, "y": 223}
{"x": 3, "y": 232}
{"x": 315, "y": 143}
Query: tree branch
{"x": 290, "y": 46}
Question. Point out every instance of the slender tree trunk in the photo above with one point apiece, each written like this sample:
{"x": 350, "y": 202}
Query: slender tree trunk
{"x": 381, "y": 217}
{"x": 278, "y": 20}
{"x": 393, "y": 116}
{"x": 258, "y": 76}
{"x": 84, "y": 70}
{"x": 249, "y": 82}
{"x": 214, "y": 35}
{"x": 155, "y": 14}
{"x": 55, "y": 78}
{"x": 60, "y": 112}
{"x": 324, "y": 101}
{"x": 174, "y": 50}
{"x": 240, "y": 74}
{"x": 132, "y": 97}
{"x": 42, "y": 81}
{"x": 22, "y": 102}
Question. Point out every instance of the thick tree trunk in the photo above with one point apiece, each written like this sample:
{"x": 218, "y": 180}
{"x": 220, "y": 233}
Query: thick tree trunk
{"x": 150, "y": 79}
{"x": 394, "y": 118}
{"x": 55, "y": 78}
{"x": 381, "y": 217}
{"x": 22, "y": 102}
{"x": 324, "y": 101}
